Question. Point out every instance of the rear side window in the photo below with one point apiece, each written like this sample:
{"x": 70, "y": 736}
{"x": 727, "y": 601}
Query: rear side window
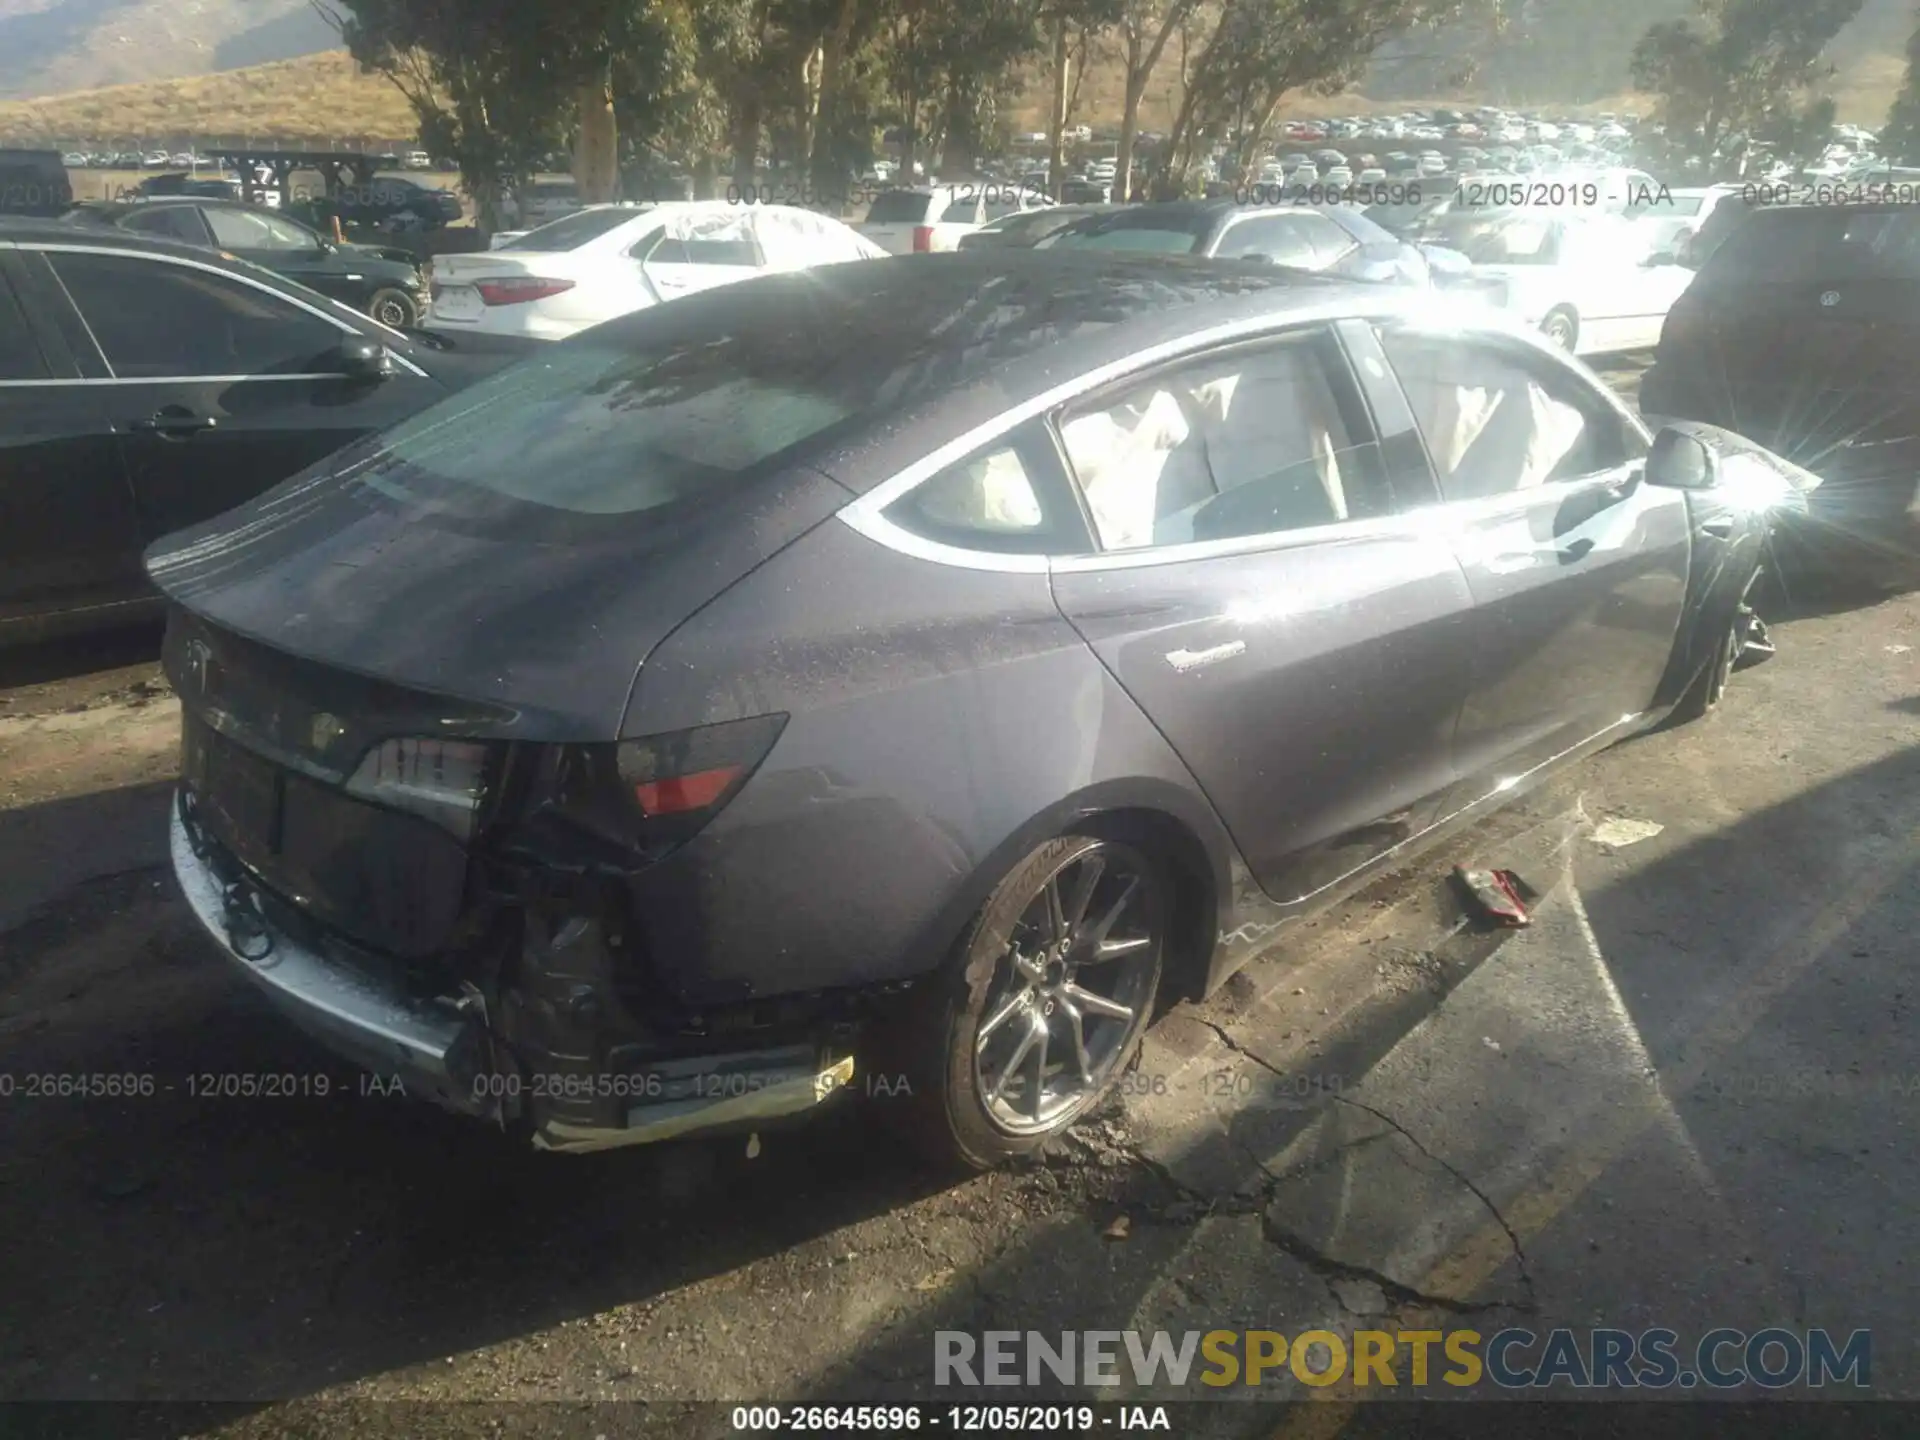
{"x": 696, "y": 251}
{"x": 899, "y": 207}
{"x": 175, "y": 222}
{"x": 1011, "y": 498}
{"x": 1261, "y": 440}
{"x": 1776, "y": 245}
{"x": 20, "y": 357}
{"x": 1823, "y": 245}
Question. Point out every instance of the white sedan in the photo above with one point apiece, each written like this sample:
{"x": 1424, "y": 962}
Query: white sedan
{"x": 609, "y": 260}
{"x": 1588, "y": 280}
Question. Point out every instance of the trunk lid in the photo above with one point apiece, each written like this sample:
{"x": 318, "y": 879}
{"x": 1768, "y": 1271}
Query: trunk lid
{"x": 314, "y": 627}
{"x": 534, "y": 621}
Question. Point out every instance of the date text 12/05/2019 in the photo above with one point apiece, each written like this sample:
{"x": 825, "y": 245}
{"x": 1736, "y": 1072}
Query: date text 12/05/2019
{"x": 913, "y": 1417}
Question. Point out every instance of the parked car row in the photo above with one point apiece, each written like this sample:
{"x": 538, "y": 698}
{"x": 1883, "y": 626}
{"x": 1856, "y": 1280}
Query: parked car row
{"x": 147, "y": 384}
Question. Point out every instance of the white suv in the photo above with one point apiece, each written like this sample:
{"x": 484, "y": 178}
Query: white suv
{"x": 934, "y": 217}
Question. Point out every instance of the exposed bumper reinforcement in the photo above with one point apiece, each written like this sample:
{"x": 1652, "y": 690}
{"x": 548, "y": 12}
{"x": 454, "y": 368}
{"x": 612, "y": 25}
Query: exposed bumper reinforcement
{"x": 437, "y": 1052}
{"x": 646, "y": 1124}
{"x": 429, "y": 1046}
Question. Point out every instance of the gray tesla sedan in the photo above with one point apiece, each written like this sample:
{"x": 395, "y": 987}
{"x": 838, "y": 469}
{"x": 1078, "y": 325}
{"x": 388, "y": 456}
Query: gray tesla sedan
{"x": 905, "y": 676}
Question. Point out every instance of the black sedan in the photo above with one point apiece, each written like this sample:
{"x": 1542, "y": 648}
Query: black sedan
{"x": 383, "y": 281}
{"x": 909, "y": 675}
{"x": 146, "y": 385}
{"x": 1332, "y": 239}
{"x": 1799, "y": 332}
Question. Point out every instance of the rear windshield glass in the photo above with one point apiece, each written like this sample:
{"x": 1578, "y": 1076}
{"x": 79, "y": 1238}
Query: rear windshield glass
{"x": 1815, "y": 244}
{"x": 898, "y": 207}
{"x": 1119, "y": 234}
{"x": 599, "y": 429}
{"x": 570, "y": 232}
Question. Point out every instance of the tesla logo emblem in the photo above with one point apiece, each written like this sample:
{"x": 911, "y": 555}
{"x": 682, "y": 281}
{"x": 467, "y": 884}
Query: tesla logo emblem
{"x": 199, "y": 664}
{"x": 1830, "y": 299}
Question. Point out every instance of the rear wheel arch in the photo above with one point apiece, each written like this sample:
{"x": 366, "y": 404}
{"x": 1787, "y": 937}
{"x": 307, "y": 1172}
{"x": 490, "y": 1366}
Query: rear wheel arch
{"x": 1155, "y": 816}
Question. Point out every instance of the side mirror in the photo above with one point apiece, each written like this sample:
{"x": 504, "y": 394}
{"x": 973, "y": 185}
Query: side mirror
{"x": 365, "y": 359}
{"x": 1679, "y": 461}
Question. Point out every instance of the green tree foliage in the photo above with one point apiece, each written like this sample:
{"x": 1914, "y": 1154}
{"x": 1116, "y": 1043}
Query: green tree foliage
{"x": 497, "y": 84}
{"x": 1259, "y": 51}
{"x": 1900, "y": 137}
{"x": 1740, "y": 67}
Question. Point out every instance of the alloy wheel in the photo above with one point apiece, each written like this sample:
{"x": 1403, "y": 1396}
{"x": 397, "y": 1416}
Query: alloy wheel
{"x": 393, "y": 312}
{"x": 1072, "y": 990}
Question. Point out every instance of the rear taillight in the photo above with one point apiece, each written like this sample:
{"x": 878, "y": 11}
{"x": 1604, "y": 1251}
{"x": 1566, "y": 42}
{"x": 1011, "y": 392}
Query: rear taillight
{"x": 439, "y": 780}
{"x": 691, "y": 774}
{"x": 594, "y": 807}
{"x": 922, "y": 239}
{"x": 519, "y": 289}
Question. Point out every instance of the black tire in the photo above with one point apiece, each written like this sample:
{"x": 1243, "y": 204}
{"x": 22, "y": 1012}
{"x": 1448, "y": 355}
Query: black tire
{"x": 1703, "y": 696}
{"x": 949, "y": 1112}
{"x": 1561, "y": 327}
{"x": 393, "y": 308}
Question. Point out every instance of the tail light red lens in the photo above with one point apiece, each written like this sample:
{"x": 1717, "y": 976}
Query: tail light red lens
{"x": 922, "y": 239}
{"x": 615, "y": 807}
{"x": 691, "y": 774}
{"x": 519, "y": 289}
{"x": 684, "y": 793}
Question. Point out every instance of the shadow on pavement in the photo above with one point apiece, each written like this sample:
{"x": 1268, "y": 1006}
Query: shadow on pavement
{"x": 170, "y": 1245}
{"x": 1761, "y": 968}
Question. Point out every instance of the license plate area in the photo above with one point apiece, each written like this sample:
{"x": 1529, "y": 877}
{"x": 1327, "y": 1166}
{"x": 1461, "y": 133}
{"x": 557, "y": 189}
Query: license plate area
{"x": 391, "y": 882}
{"x": 239, "y": 796}
{"x": 456, "y": 302}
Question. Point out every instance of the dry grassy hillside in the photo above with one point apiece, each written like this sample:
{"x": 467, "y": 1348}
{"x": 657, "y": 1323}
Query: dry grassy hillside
{"x": 323, "y": 97}
{"x": 318, "y": 96}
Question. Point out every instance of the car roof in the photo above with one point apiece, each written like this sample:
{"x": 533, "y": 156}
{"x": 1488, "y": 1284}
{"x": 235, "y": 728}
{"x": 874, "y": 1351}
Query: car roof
{"x": 117, "y": 208}
{"x": 16, "y": 232}
{"x": 932, "y": 346}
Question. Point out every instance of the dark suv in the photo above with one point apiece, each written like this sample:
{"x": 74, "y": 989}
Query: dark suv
{"x": 1800, "y": 333}
{"x": 391, "y": 202}
{"x": 34, "y": 182}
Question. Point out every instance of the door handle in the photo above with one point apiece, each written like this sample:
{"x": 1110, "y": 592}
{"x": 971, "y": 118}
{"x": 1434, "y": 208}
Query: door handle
{"x": 175, "y": 422}
{"x": 1717, "y": 529}
{"x": 1575, "y": 551}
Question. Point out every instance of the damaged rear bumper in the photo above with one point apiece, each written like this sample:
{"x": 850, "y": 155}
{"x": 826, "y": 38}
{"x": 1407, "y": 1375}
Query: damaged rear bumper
{"x": 440, "y": 1047}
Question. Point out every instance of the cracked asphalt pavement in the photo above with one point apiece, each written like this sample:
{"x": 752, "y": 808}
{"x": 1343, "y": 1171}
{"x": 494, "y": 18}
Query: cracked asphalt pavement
{"x": 1685, "y": 1096}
